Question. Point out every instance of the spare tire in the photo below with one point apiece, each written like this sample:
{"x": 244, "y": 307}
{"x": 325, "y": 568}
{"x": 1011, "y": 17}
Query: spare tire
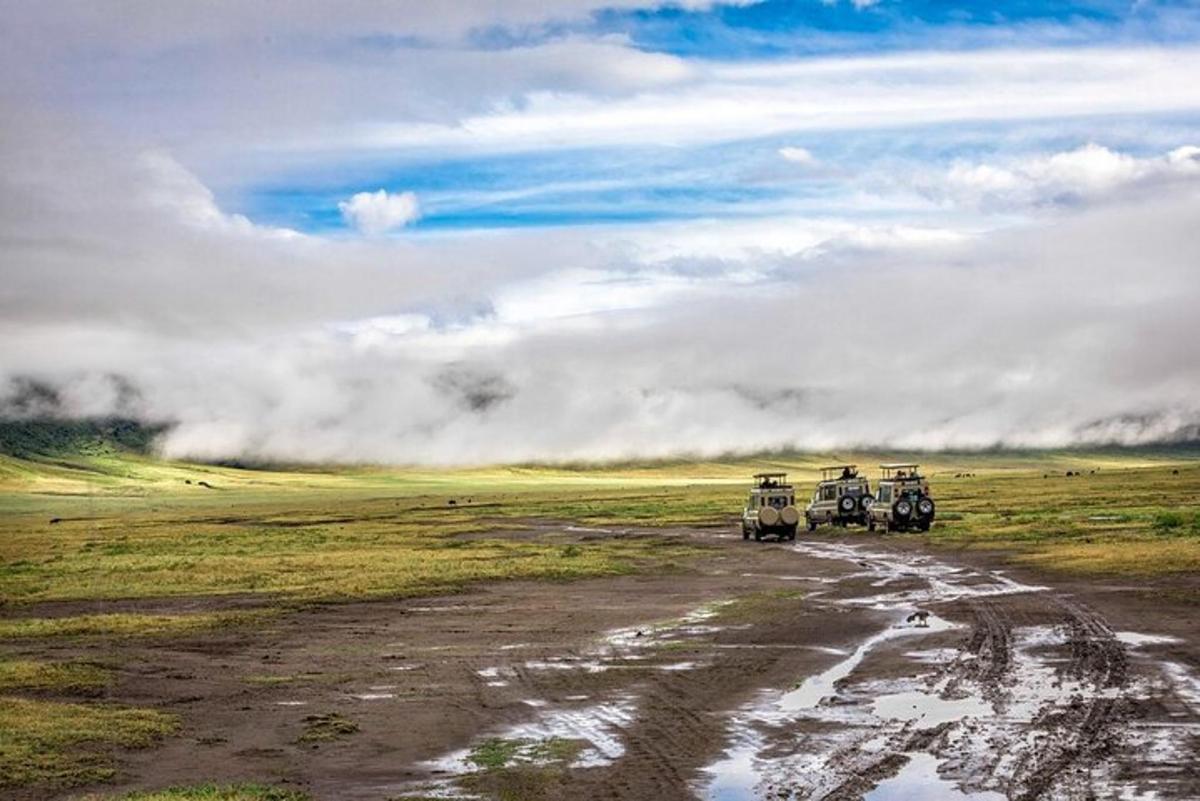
{"x": 846, "y": 504}
{"x": 866, "y": 501}
{"x": 789, "y": 515}
{"x": 902, "y": 508}
{"x": 925, "y": 507}
{"x": 768, "y": 516}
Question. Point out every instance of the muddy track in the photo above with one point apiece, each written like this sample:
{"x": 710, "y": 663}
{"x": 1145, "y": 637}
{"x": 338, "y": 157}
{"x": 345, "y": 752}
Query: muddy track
{"x": 984, "y": 658}
{"x": 820, "y": 689}
{"x": 1084, "y": 732}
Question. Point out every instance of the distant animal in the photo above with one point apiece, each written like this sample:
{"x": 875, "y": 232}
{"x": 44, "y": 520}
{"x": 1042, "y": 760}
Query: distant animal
{"x": 205, "y": 484}
{"x": 1174, "y": 472}
{"x": 452, "y": 502}
{"x": 54, "y": 520}
{"x": 920, "y": 617}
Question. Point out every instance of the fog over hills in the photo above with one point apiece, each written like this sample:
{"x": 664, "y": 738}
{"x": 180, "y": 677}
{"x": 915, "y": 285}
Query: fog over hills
{"x": 526, "y": 232}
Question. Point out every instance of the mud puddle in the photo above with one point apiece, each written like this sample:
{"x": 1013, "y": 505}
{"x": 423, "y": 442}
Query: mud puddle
{"x": 819, "y": 686}
{"x": 977, "y": 710}
{"x": 576, "y": 731}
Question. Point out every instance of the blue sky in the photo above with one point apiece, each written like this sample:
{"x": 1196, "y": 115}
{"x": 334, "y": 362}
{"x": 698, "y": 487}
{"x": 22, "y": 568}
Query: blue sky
{"x": 739, "y": 174}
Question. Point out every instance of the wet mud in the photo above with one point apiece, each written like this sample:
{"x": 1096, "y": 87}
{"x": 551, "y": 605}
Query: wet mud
{"x": 846, "y": 667}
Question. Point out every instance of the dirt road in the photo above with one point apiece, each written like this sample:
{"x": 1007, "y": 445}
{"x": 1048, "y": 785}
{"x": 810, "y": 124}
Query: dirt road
{"x": 781, "y": 671}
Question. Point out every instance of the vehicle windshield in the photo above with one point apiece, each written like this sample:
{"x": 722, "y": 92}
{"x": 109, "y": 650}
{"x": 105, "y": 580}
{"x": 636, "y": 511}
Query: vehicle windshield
{"x": 779, "y": 501}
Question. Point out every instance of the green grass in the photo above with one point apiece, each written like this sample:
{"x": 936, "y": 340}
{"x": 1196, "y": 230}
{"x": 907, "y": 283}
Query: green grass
{"x": 326, "y": 728}
{"x": 759, "y": 605}
{"x": 1133, "y": 522}
{"x": 499, "y": 752}
{"x": 58, "y": 744}
{"x": 124, "y": 625}
{"x": 111, "y": 524}
{"x": 129, "y": 526}
{"x": 64, "y": 677}
{"x": 210, "y": 792}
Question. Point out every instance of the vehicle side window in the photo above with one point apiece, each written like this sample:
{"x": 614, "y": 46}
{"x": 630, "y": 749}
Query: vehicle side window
{"x": 828, "y": 493}
{"x": 885, "y": 494}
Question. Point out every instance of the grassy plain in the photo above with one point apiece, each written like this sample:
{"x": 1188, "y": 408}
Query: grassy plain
{"x": 116, "y": 527}
{"x": 121, "y": 526}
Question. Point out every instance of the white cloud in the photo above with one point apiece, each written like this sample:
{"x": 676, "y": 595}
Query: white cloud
{"x": 605, "y": 342}
{"x": 728, "y": 102}
{"x": 169, "y": 186}
{"x": 1088, "y": 173}
{"x": 797, "y": 155}
{"x": 378, "y": 212}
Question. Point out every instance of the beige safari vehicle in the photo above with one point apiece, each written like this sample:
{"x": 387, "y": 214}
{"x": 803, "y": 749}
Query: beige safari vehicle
{"x": 770, "y": 508}
{"x": 902, "y": 501}
{"x": 843, "y": 497}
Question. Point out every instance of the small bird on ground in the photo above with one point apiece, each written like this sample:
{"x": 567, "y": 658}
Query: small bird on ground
{"x": 921, "y": 618}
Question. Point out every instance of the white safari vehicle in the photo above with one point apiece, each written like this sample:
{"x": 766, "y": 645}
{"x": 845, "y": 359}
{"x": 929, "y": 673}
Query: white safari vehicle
{"x": 843, "y": 497}
{"x": 902, "y": 501}
{"x": 770, "y": 508}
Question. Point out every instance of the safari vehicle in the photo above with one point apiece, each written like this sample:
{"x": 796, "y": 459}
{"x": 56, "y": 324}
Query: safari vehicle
{"x": 902, "y": 501}
{"x": 842, "y": 498}
{"x": 770, "y": 508}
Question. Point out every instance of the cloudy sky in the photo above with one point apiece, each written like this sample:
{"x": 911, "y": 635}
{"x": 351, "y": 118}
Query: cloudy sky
{"x": 477, "y": 231}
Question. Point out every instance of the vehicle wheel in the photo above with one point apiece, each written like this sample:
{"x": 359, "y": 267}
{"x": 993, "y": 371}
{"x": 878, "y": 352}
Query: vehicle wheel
{"x": 925, "y": 525}
{"x": 791, "y": 534}
{"x": 846, "y": 504}
{"x": 870, "y": 524}
{"x": 745, "y": 533}
{"x": 758, "y": 535}
{"x": 812, "y": 525}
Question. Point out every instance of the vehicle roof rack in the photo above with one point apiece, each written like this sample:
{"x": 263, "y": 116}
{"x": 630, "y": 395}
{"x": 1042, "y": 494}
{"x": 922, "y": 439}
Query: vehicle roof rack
{"x": 772, "y": 481}
{"x": 838, "y": 467}
{"x": 898, "y": 465}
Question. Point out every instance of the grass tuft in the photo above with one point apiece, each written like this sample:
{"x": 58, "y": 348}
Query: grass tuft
{"x": 210, "y": 792}
{"x": 69, "y": 677}
{"x": 125, "y": 625}
{"x": 326, "y": 728}
{"x": 63, "y": 745}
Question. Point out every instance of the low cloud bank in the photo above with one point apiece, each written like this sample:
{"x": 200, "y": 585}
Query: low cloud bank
{"x": 128, "y": 292}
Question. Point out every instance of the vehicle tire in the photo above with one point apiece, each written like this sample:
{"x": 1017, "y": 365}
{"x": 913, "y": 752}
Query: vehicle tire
{"x": 745, "y": 532}
{"x": 758, "y": 535}
{"x": 789, "y": 516}
{"x": 847, "y": 504}
{"x": 792, "y": 535}
{"x": 870, "y": 524}
{"x": 768, "y": 516}
{"x": 865, "y": 502}
{"x": 903, "y": 509}
{"x": 924, "y": 525}
{"x": 812, "y": 524}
